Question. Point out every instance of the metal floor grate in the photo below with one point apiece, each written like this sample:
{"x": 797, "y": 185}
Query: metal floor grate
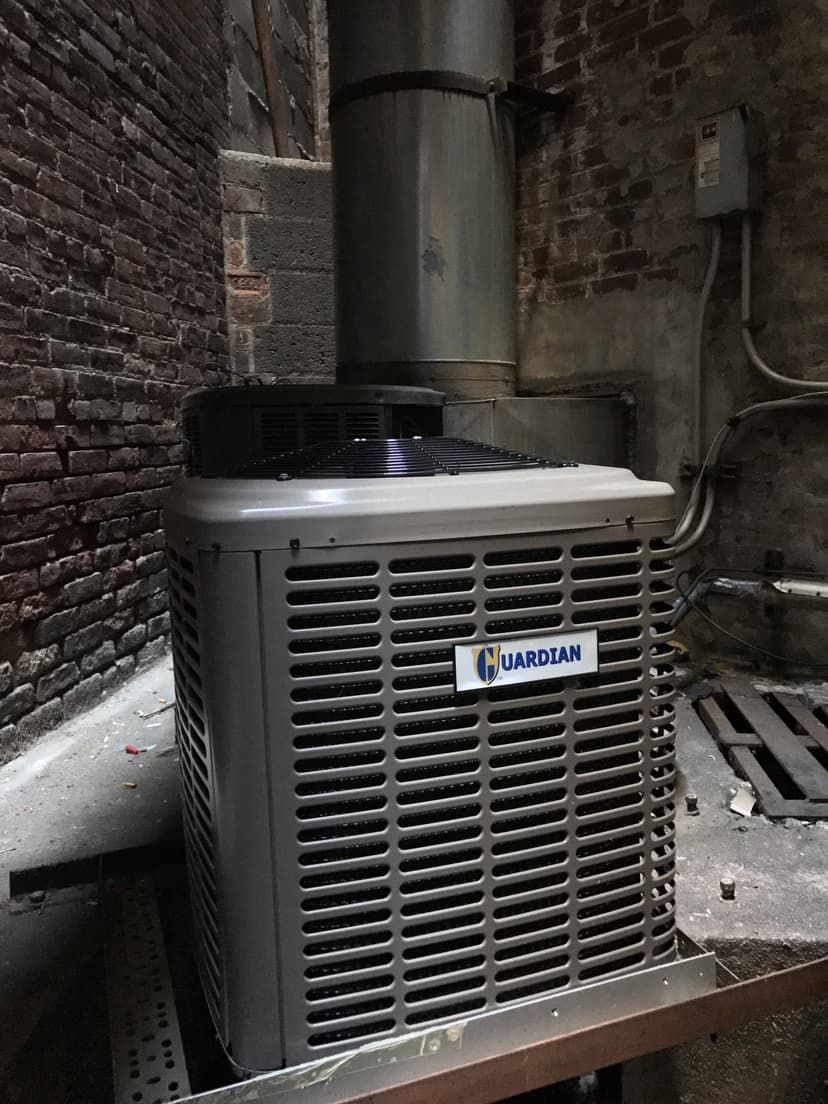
{"x": 778, "y": 744}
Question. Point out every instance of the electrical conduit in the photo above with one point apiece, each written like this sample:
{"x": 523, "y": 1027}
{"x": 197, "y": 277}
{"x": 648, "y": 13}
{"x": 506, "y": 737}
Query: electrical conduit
{"x": 788, "y": 382}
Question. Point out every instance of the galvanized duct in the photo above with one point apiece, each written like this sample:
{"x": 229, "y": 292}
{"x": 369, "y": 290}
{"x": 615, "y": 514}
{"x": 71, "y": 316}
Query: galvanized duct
{"x": 423, "y": 157}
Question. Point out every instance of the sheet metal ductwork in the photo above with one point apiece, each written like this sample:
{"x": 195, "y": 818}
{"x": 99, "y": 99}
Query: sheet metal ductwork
{"x": 423, "y": 156}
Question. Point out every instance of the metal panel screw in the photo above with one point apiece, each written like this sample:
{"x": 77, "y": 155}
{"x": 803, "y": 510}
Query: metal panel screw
{"x": 691, "y": 802}
{"x": 728, "y": 888}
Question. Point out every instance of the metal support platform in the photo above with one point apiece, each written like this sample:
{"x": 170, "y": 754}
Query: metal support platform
{"x": 147, "y": 1054}
{"x": 479, "y": 1060}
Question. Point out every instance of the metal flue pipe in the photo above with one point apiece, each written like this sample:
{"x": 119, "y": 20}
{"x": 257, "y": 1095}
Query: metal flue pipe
{"x": 423, "y": 168}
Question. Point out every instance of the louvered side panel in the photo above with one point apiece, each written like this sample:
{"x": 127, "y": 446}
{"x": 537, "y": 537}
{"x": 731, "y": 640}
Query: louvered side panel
{"x": 196, "y": 772}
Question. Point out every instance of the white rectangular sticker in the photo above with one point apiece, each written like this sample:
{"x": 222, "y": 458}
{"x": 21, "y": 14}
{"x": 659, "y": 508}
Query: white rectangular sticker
{"x": 525, "y": 659}
{"x": 707, "y": 156}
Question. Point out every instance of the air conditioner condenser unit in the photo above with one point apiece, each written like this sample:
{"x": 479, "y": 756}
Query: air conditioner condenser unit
{"x": 426, "y": 733}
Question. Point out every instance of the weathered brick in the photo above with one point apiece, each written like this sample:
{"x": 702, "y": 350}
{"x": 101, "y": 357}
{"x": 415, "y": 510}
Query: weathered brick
{"x": 86, "y": 461}
{"x": 13, "y": 557}
{"x": 132, "y": 639}
{"x": 99, "y": 659}
{"x": 664, "y": 33}
{"x": 615, "y": 283}
{"x": 25, "y": 496}
{"x": 156, "y": 626}
{"x": 17, "y": 584}
{"x": 239, "y": 198}
{"x": 59, "y": 571}
{"x": 40, "y": 720}
{"x": 60, "y": 624}
{"x": 40, "y": 464}
{"x": 9, "y": 466}
{"x": 82, "y": 695}
{"x": 82, "y": 590}
{"x": 57, "y": 681}
{"x": 630, "y": 260}
{"x": 84, "y": 640}
{"x": 151, "y": 652}
{"x": 25, "y": 409}
{"x": 32, "y": 664}
{"x": 18, "y": 701}
{"x": 125, "y": 665}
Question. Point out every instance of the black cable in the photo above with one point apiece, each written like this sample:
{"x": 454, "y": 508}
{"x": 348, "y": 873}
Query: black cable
{"x": 738, "y": 639}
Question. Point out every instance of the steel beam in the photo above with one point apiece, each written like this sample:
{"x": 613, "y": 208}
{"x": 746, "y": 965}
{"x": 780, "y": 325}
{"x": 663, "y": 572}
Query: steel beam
{"x": 518, "y": 1069}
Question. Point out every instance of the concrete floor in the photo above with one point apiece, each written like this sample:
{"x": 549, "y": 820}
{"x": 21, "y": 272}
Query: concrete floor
{"x": 66, "y": 799}
{"x": 78, "y": 793}
{"x": 780, "y": 867}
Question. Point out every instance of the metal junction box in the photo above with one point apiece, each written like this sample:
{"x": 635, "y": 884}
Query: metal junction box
{"x": 373, "y": 851}
{"x": 731, "y": 149}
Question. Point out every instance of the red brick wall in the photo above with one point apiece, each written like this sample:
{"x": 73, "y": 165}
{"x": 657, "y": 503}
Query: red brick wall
{"x": 111, "y": 304}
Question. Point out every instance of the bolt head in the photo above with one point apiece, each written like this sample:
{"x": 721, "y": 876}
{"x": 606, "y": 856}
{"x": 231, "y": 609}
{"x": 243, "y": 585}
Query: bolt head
{"x": 691, "y": 803}
{"x": 728, "y": 889}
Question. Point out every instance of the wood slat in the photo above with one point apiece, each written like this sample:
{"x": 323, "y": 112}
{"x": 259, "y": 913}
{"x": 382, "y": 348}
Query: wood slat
{"x": 718, "y": 724}
{"x": 770, "y": 800}
{"x": 807, "y": 774}
{"x": 816, "y": 732}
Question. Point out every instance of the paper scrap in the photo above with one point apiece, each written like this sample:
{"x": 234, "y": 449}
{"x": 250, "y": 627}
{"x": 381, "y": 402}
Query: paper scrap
{"x": 743, "y": 802}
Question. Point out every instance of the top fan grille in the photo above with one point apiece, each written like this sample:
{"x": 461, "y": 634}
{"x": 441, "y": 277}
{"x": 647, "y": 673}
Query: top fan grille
{"x": 378, "y": 459}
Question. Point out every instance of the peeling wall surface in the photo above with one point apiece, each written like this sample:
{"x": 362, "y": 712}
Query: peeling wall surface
{"x": 612, "y": 259}
{"x": 250, "y": 127}
{"x": 111, "y": 305}
{"x": 278, "y": 248}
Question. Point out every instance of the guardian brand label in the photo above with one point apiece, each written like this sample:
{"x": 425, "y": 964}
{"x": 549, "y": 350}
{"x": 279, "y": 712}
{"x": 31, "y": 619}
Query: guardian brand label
{"x": 525, "y": 659}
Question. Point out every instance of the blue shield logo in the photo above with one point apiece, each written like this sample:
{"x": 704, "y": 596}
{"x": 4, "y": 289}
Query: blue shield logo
{"x": 487, "y": 662}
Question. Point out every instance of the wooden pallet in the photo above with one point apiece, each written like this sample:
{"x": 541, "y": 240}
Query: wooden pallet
{"x": 778, "y": 744}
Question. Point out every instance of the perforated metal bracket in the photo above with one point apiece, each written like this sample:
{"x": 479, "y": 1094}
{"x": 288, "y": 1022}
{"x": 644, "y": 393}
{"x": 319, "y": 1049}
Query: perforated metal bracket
{"x": 148, "y": 1062}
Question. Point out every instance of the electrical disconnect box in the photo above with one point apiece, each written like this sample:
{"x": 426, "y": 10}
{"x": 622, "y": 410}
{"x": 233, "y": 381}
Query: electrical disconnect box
{"x": 730, "y": 162}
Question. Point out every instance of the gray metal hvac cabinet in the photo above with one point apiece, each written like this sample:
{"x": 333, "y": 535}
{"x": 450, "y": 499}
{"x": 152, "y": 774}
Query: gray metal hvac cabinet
{"x": 372, "y": 852}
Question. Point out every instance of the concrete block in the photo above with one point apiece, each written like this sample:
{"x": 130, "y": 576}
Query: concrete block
{"x": 300, "y": 190}
{"x": 280, "y": 244}
{"x": 302, "y": 297}
{"x": 241, "y": 199}
{"x": 285, "y": 349}
{"x": 254, "y": 170}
